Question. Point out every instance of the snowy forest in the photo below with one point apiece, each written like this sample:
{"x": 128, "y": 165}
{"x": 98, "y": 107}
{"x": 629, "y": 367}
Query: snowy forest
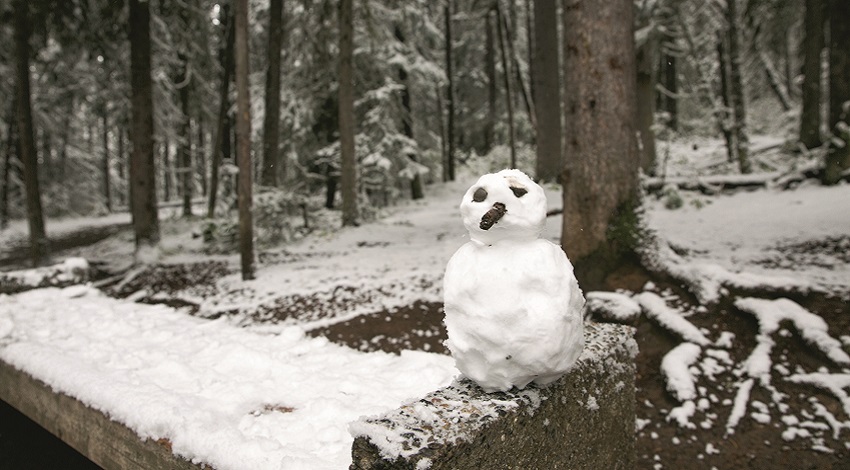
{"x": 281, "y": 179}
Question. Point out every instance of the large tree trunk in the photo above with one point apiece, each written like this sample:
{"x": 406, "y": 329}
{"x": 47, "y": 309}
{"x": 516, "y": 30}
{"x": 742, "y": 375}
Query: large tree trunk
{"x": 547, "y": 91}
{"x": 222, "y": 128}
{"x": 243, "y": 141}
{"x": 813, "y": 43}
{"x": 348, "y": 168}
{"x": 142, "y": 169}
{"x": 600, "y": 175}
{"x": 736, "y": 90}
{"x": 271, "y": 160}
{"x": 26, "y": 141}
{"x": 838, "y": 155}
{"x": 506, "y": 74}
{"x": 492, "y": 88}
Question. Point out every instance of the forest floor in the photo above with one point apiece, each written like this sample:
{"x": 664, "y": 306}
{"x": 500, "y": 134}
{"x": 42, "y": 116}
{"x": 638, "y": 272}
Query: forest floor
{"x": 377, "y": 288}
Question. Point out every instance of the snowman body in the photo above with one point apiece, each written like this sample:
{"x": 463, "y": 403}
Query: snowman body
{"x": 513, "y": 305}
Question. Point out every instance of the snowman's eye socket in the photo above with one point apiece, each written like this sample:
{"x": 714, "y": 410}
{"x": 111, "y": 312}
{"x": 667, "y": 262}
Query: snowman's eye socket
{"x": 479, "y": 195}
{"x": 519, "y": 192}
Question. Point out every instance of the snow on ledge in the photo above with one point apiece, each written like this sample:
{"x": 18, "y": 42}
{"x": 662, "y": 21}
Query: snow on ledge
{"x": 222, "y": 395}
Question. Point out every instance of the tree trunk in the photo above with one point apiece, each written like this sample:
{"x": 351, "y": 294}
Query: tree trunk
{"x": 348, "y": 168}
{"x": 775, "y": 80}
{"x": 667, "y": 80}
{"x": 450, "y": 96}
{"x": 407, "y": 121}
{"x": 492, "y": 88}
{"x": 547, "y": 91}
{"x": 724, "y": 111}
{"x": 506, "y": 73}
{"x": 736, "y": 90}
{"x": 46, "y": 158}
{"x": 530, "y": 44}
{"x": 185, "y": 148}
{"x": 243, "y": 141}
{"x": 813, "y": 44}
{"x": 524, "y": 93}
{"x": 26, "y": 141}
{"x": 838, "y": 155}
{"x": 671, "y": 84}
{"x": 600, "y": 175}
{"x": 222, "y": 128}
{"x": 142, "y": 169}
{"x": 271, "y": 160}
{"x": 107, "y": 186}
{"x": 646, "y": 59}
{"x": 200, "y": 153}
{"x": 64, "y": 134}
{"x": 166, "y": 170}
{"x": 11, "y": 140}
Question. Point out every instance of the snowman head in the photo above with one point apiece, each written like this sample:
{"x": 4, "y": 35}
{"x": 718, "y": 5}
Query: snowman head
{"x": 506, "y": 205}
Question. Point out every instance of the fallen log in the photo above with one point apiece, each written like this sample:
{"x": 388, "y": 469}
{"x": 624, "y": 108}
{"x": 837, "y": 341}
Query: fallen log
{"x": 71, "y": 271}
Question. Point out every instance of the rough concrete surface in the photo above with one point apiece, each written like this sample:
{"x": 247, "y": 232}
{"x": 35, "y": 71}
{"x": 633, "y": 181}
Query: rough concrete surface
{"x": 585, "y": 420}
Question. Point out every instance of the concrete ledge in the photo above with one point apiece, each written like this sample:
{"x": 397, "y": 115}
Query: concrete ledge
{"x": 585, "y": 420}
{"x": 103, "y": 441}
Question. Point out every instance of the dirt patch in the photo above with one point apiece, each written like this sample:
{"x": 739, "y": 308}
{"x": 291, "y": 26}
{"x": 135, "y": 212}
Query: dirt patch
{"x": 824, "y": 253}
{"x": 418, "y": 326}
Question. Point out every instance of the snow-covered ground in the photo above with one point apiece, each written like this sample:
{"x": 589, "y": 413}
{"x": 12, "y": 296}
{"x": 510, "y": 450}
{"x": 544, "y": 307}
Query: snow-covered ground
{"x": 234, "y": 385}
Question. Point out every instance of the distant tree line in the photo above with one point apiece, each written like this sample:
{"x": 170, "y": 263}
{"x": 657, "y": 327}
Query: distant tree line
{"x": 354, "y": 105}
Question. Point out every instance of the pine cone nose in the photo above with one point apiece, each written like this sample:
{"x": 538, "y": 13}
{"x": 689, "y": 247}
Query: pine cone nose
{"x": 479, "y": 195}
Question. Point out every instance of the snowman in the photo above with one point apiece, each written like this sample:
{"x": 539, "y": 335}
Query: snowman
{"x": 513, "y": 305}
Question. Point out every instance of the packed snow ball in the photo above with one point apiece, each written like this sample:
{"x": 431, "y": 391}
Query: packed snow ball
{"x": 513, "y": 305}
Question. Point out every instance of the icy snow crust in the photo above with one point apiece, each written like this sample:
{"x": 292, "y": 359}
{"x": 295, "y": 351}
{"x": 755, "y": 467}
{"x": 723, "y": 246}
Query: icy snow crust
{"x": 221, "y": 395}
